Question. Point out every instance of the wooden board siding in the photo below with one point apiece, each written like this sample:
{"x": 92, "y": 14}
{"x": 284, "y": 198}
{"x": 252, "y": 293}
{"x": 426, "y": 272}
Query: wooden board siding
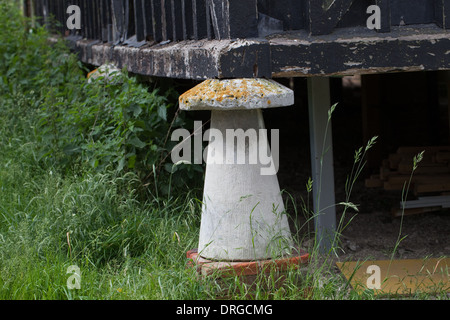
{"x": 403, "y": 49}
{"x": 199, "y": 39}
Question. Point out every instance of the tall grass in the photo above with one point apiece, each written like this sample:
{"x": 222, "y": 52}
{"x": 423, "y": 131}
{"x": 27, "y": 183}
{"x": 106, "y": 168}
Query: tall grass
{"x": 49, "y": 222}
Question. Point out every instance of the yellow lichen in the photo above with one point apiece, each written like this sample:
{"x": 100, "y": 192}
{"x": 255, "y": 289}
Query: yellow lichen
{"x": 219, "y": 90}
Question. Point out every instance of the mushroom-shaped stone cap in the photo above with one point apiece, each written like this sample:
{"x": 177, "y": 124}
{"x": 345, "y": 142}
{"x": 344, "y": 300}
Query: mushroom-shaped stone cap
{"x": 236, "y": 94}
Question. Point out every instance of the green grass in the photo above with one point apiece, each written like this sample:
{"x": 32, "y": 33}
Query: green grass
{"x": 125, "y": 247}
{"x": 129, "y": 242}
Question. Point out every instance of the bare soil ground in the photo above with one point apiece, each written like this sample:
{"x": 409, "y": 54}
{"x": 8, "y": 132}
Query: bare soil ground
{"x": 373, "y": 232}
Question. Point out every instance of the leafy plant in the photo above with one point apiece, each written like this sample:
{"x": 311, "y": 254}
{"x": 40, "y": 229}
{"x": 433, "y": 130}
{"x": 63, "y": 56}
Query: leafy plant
{"x": 121, "y": 124}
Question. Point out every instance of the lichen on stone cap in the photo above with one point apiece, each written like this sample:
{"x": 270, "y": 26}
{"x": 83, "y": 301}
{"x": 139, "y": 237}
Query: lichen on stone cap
{"x": 236, "y": 94}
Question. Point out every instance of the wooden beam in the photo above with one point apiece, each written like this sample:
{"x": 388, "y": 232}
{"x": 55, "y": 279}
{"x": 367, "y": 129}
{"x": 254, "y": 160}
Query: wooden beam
{"x": 432, "y": 201}
{"x": 292, "y": 13}
{"x": 118, "y": 22}
{"x": 442, "y": 13}
{"x": 385, "y": 15}
{"x": 404, "y": 49}
{"x": 398, "y": 212}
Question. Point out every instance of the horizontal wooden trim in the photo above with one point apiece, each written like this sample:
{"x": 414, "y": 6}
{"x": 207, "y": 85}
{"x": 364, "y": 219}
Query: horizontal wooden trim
{"x": 348, "y": 51}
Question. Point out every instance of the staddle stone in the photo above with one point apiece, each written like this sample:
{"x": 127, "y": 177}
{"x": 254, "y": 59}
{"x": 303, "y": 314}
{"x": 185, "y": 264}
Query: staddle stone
{"x": 243, "y": 215}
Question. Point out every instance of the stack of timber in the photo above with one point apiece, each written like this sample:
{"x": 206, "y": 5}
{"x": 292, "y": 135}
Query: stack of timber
{"x": 430, "y": 181}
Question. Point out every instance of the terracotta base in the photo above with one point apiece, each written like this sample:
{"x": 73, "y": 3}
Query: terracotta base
{"x": 245, "y": 268}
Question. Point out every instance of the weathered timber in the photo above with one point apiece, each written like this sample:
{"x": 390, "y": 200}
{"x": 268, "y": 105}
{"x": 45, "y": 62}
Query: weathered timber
{"x": 323, "y": 16}
{"x": 432, "y": 174}
{"x": 260, "y": 38}
{"x": 385, "y": 7}
{"x": 293, "y": 18}
{"x": 139, "y": 19}
{"x": 442, "y": 13}
{"x": 349, "y": 51}
{"x": 358, "y": 51}
{"x": 148, "y": 22}
{"x": 226, "y": 19}
{"x": 398, "y": 212}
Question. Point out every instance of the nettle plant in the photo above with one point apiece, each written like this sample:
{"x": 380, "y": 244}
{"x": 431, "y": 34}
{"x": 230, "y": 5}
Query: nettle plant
{"x": 122, "y": 125}
{"x": 117, "y": 124}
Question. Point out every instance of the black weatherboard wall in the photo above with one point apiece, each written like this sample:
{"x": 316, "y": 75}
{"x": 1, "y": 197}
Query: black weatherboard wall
{"x": 199, "y": 39}
{"x": 191, "y": 19}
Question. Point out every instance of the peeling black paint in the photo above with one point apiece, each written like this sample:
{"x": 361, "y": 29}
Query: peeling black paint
{"x": 350, "y": 51}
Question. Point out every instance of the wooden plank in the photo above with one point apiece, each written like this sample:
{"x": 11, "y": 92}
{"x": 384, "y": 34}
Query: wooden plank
{"x": 177, "y": 19}
{"x": 291, "y": 12}
{"x": 422, "y": 168}
{"x": 432, "y": 187}
{"x": 216, "y": 15}
{"x": 252, "y": 59}
{"x": 385, "y": 173}
{"x": 323, "y": 17}
{"x": 398, "y": 212}
{"x": 199, "y": 17}
{"x": 156, "y": 20}
{"x": 442, "y": 157}
{"x": 432, "y": 201}
{"x": 139, "y": 20}
{"x": 442, "y": 13}
{"x": 148, "y": 20}
{"x": 442, "y": 197}
{"x": 103, "y": 16}
{"x": 98, "y": 20}
{"x": 118, "y": 21}
{"x": 394, "y": 160}
{"x": 285, "y": 57}
{"x": 209, "y": 27}
{"x": 416, "y": 149}
{"x": 374, "y": 182}
{"x": 406, "y": 12}
{"x": 297, "y": 60}
{"x": 234, "y": 19}
{"x": 243, "y": 19}
{"x": 129, "y": 19}
{"x": 419, "y": 178}
{"x": 385, "y": 9}
{"x": 166, "y": 20}
{"x": 187, "y": 16}
{"x": 389, "y": 186}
